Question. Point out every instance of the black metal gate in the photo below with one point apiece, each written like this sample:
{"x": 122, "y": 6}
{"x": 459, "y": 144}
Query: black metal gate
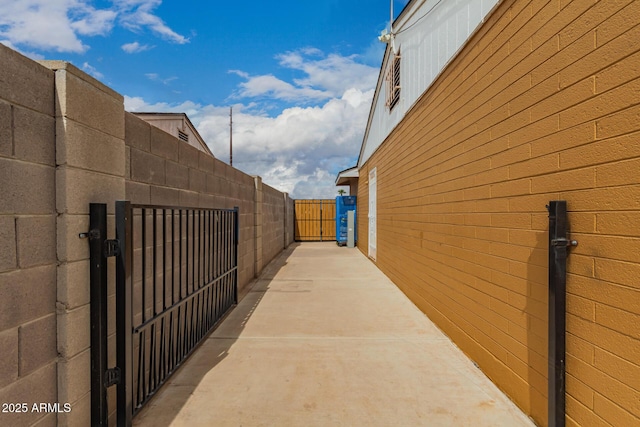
{"x": 176, "y": 278}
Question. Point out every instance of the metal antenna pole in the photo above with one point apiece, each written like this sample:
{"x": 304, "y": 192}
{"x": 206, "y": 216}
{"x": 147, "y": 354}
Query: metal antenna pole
{"x": 391, "y": 19}
{"x": 230, "y": 136}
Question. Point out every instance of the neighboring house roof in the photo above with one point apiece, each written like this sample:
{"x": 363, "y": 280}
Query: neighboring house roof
{"x": 427, "y": 35}
{"x": 346, "y": 175}
{"x": 178, "y": 125}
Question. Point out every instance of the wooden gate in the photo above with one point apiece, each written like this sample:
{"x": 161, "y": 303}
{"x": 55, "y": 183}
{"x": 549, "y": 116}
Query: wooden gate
{"x": 315, "y": 220}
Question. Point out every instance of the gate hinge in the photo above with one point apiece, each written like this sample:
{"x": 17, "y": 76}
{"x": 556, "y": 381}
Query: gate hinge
{"x": 111, "y": 248}
{"x": 564, "y": 242}
{"x": 112, "y": 377}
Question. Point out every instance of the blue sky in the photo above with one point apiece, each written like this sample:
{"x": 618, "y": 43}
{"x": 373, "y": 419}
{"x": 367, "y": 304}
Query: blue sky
{"x": 299, "y": 74}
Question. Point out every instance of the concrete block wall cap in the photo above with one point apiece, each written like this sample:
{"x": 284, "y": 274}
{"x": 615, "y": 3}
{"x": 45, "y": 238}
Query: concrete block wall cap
{"x": 164, "y": 144}
{"x": 206, "y": 162}
{"x": 267, "y": 187}
{"x": 57, "y": 65}
{"x": 25, "y": 82}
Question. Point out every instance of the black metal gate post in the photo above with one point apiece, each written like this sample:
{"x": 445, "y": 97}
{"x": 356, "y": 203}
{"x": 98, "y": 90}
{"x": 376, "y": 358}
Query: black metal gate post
{"x": 98, "y": 296}
{"x": 558, "y": 245}
{"x": 124, "y": 349}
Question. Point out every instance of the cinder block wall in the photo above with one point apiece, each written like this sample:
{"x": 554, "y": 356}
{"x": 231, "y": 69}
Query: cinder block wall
{"x": 289, "y": 220}
{"x": 28, "y": 352}
{"x": 273, "y": 219}
{"x": 543, "y": 103}
{"x": 62, "y": 147}
{"x": 163, "y": 170}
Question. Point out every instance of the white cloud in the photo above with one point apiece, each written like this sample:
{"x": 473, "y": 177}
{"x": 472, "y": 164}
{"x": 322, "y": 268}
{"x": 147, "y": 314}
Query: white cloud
{"x": 298, "y": 151}
{"x": 135, "y": 47}
{"x": 137, "y": 14}
{"x": 59, "y": 25}
{"x": 138, "y": 105}
{"x": 43, "y": 24}
{"x": 94, "y": 22}
{"x": 334, "y": 73}
{"x": 301, "y": 149}
{"x": 240, "y": 73}
{"x": 272, "y": 87}
{"x": 374, "y": 53}
{"x": 325, "y": 77}
{"x": 156, "y": 78}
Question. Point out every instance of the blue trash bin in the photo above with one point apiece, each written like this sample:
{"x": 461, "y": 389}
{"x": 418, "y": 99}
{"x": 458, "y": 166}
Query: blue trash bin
{"x": 344, "y": 204}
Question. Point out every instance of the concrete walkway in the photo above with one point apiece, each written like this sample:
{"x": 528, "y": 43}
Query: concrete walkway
{"x": 325, "y": 339}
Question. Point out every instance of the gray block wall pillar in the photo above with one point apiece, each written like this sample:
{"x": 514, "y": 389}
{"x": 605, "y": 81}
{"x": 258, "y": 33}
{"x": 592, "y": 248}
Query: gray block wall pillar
{"x": 285, "y": 234}
{"x": 90, "y": 167}
{"x": 258, "y": 226}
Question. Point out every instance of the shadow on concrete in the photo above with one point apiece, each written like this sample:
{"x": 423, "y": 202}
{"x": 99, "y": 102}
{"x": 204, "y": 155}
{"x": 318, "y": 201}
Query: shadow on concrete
{"x": 212, "y": 350}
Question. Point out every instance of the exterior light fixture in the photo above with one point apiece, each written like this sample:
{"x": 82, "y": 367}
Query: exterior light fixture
{"x": 385, "y": 37}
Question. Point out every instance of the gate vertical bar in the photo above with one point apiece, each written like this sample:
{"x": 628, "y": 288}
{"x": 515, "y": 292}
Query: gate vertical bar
{"x": 236, "y": 240}
{"x": 124, "y": 330}
{"x": 558, "y": 245}
{"x": 98, "y": 289}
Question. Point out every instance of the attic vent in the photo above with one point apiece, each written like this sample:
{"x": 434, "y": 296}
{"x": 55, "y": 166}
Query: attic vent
{"x": 183, "y": 136}
{"x": 393, "y": 82}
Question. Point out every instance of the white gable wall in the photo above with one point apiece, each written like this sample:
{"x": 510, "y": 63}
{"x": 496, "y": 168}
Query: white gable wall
{"x": 429, "y": 34}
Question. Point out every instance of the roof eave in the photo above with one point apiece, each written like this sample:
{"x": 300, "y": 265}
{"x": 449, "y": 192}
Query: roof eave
{"x": 344, "y": 177}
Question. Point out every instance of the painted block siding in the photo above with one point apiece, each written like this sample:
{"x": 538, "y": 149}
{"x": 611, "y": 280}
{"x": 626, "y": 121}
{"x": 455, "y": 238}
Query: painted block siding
{"x": 543, "y": 103}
